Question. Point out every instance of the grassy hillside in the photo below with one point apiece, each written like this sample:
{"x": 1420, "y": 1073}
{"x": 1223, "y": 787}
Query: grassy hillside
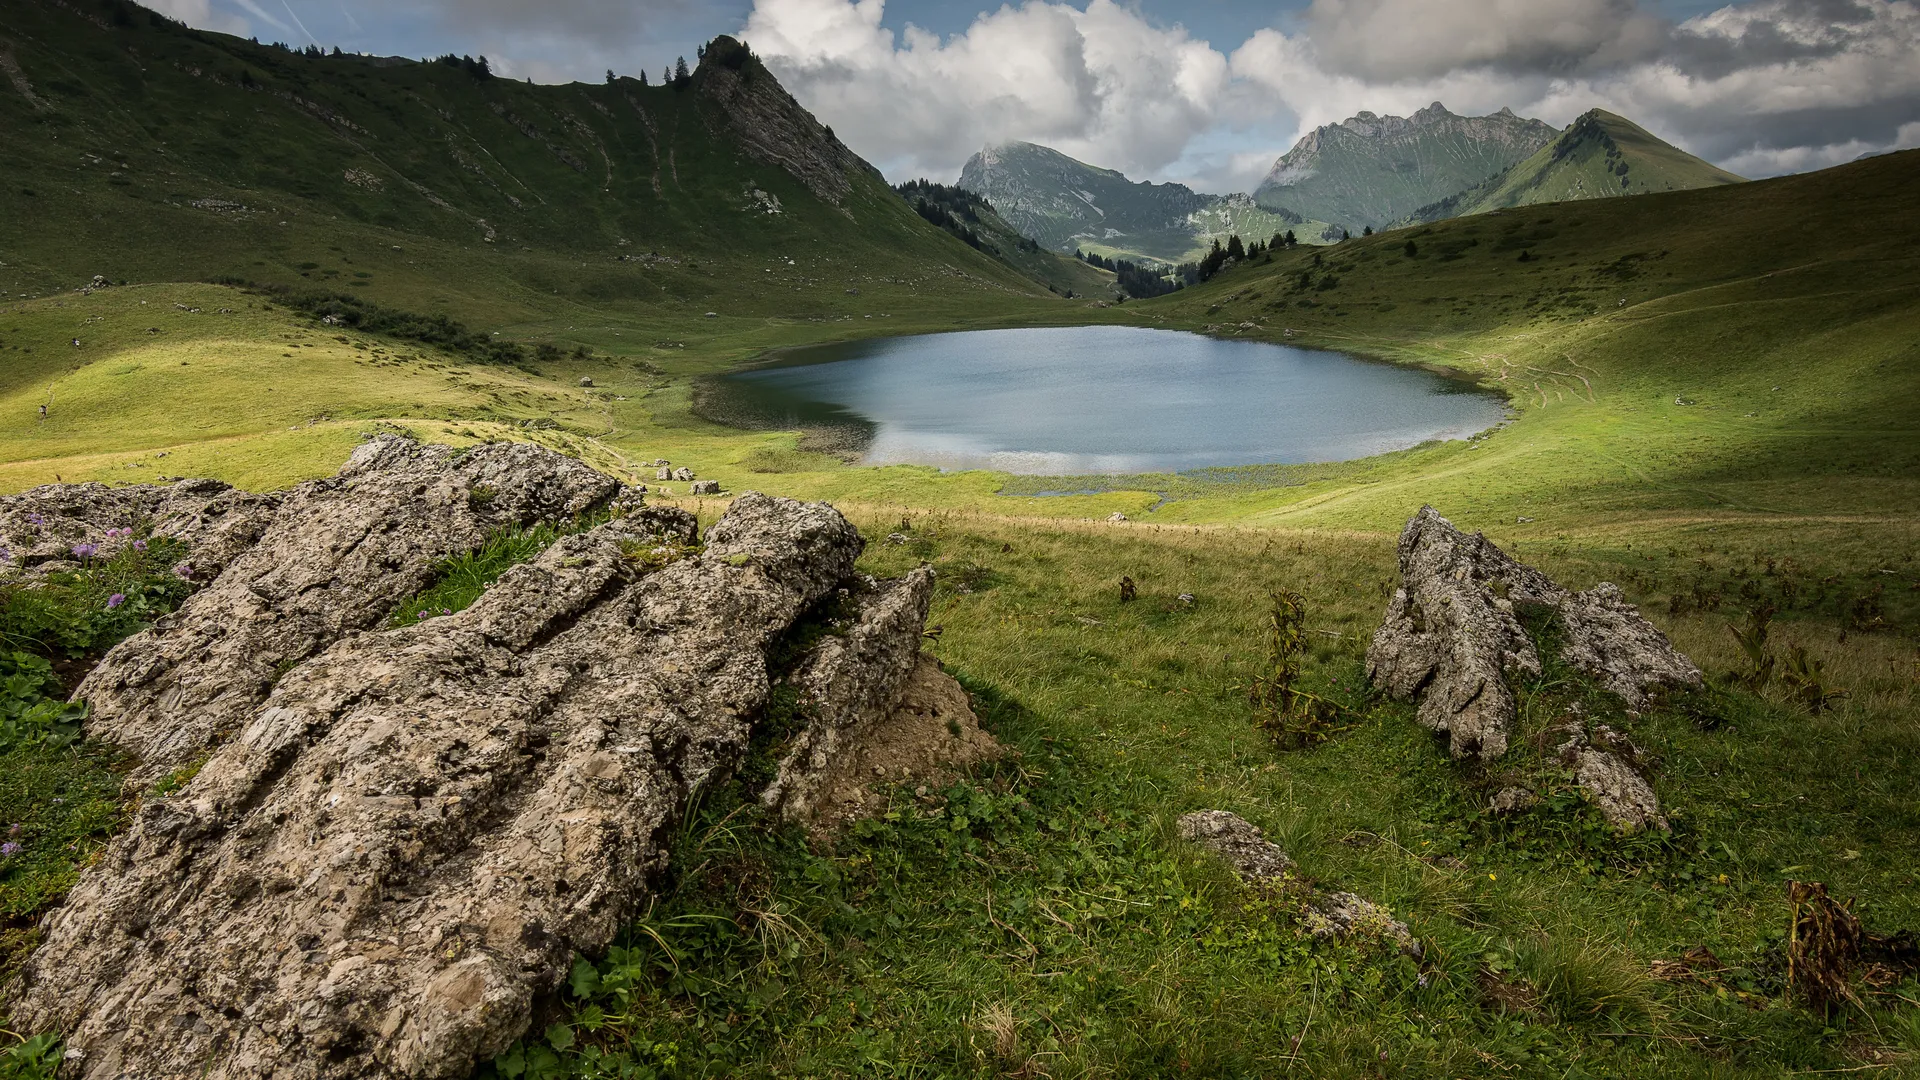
{"x": 1599, "y": 156}
{"x": 1667, "y": 355}
{"x": 1712, "y": 411}
{"x": 141, "y": 150}
{"x": 1369, "y": 171}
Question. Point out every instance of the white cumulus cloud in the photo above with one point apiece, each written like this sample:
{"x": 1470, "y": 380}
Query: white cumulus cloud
{"x": 1099, "y": 83}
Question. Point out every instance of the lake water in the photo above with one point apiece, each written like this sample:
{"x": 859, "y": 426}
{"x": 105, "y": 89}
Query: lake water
{"x": 1067, "y": 401}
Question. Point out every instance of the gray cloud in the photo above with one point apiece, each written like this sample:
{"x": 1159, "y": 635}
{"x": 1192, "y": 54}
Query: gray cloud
{"x": 1392, "y": 40}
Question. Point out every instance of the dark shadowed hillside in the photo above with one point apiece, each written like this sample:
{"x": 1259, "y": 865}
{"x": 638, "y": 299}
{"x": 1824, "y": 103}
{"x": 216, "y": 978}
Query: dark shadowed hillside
{"x": 140, "y": 149}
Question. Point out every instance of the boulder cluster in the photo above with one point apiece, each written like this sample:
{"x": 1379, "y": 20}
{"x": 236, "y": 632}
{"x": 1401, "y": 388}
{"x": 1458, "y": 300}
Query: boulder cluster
{"x": 1453, "y": 636}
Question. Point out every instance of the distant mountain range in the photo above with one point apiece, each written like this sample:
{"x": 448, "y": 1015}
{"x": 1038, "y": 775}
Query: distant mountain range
{"x": 1371, "y": 171}
{"x": 1067, "y": 205}
{"x": 1365, "y": 172}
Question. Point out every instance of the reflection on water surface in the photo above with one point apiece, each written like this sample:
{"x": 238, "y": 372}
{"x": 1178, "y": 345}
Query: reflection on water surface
{"x": 1102, "y": 399}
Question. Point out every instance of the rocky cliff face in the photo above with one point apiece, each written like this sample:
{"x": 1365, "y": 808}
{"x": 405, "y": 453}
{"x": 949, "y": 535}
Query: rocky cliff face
{"x": 765, "y": 122}
{"x": 400, "y": 836}
{"x": 1373, "y": 170}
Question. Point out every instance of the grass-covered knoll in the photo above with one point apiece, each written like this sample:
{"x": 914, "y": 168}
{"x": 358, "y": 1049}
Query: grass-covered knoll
{"x": 1041, "y": 918}
{"x": 1599, "y": 156}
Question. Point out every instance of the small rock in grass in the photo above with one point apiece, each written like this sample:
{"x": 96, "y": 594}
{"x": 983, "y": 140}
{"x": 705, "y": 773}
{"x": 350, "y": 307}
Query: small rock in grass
{"x": 706, "y": 487}
{"x": 1606, "y": 765}
{"x": 1343, "y": 915}
{"x": 1236, "y": 840}
{"x": 1512, "y": 800}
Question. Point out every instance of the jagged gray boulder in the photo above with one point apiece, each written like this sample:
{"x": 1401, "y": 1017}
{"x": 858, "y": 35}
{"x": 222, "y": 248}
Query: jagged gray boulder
{"x": 1450, "y": 637}
{"x": 328, "y": 557}
{"x": 394, "y": 850}
{"x": 850, "y": 682}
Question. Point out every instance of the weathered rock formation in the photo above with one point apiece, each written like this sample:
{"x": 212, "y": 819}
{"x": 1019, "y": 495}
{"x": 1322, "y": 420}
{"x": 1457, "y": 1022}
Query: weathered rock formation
{"x": 42, "y": 526}
{"x": 1450, "y": 636}
{"x": 1336, "y": 916}
{"x": 853, "y": 685}
{"x": 395, "y": 848}
{"x": 334, "y": 556}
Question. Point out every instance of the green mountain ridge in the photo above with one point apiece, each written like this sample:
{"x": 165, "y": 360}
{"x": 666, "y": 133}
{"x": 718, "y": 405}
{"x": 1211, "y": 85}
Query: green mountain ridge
{"x": 140, "y": 149}
{"x": 1600, "y": 155}
{"x": 1369, "y": 171}
{"x": 1068, "y": 205}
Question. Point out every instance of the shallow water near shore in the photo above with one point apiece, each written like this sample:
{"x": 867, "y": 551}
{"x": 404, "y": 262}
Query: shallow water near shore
{"x": 1100, "y": 399}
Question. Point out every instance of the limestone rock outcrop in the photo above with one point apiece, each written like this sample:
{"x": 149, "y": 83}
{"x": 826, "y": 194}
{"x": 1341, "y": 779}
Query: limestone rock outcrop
{"x": 328, "y": 558}
{"x": 401, "y": 836}
{"x": 42, "y": 526}
{"x": 1451, "y": 636}
{"x": 1610, "y": 771}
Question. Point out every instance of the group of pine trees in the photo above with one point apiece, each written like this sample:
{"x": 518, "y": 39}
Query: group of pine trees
{"x": 954, "y": 209}
{"x": 1141, "y": 281}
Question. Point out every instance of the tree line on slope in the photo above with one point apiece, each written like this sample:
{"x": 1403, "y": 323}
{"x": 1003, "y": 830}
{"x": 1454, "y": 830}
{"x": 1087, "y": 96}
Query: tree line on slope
{"x": 1143, "y": 280}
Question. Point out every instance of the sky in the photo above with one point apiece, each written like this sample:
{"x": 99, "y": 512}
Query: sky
{"x": 1204, "y": 92}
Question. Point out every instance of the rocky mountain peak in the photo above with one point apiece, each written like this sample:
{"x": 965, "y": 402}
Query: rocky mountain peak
{"x": 1371, "y": 169}
{"x": 772, "y": 127}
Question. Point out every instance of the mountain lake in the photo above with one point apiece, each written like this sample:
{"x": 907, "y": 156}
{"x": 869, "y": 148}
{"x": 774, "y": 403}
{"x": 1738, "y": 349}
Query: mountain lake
{"x": 1089, "y": 400}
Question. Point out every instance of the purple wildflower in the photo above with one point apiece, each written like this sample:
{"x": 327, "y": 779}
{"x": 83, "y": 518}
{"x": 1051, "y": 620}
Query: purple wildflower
{"x": 139, "y": 545}
{"x": 184, "y": 571}
{"x": 5, "y": 555}
{"x": 86, "y": 551}
{"x": 36, "y": 519}
{"x": 116, "y": 600}
{"x": 446, "y": 611}
{"x": 9, "y": 849}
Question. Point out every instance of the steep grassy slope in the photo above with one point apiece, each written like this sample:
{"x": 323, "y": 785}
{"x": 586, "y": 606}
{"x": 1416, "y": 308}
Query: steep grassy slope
{"x": 1373, "y": 170}
{"x": 1600, "y": 155}
{"x": 141, "y": 150}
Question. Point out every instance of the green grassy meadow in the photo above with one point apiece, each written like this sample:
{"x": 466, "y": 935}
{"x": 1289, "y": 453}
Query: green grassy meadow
{"x": 1712, "y": 405}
